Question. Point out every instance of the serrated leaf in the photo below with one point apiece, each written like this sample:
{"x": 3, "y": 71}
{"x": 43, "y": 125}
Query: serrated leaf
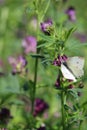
{"x": 47, "y": 38}
{"x": 46, "y": 60}
{"x": 73, "y": 93}
{"x": 67, "y": 107}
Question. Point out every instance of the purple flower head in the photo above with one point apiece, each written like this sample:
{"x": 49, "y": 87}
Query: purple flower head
{"x": 29, "y": 44}
{"x": 45, "y": 26}
{"x": 71, "y": 85}
{"x": 5, "y": 115}
{"x": 18, "y": 64}
{"x": 79, "y": 94}
{"x": 2, "y": 68}
{"x": 59, "y": 60}
{"x": 40, "y": 106}
{"x": 42, "y": 128}
{"x": 71, "y": 14}
{"x": 57, "y": 84}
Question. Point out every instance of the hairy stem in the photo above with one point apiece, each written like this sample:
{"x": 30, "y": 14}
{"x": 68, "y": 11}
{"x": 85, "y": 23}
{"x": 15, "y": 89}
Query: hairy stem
{"x": 36, "y": 60}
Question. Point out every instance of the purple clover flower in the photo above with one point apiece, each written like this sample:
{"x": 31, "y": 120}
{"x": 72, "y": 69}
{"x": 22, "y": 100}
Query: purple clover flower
{"x": 71, "y": 13}
{"x": 59, "y": 60}
{"x": 5, "y": 115}
{"x": 40, "y": 106}
{"x": 2, "y": 69}
{"x": 57, "y": 84}
{"x": 18, "y": 64}
{"x": 45, "y": 26}
{"x": 42, "y": 128}
{"x": 29, "y": 44}
{"x": 71, "y": 85}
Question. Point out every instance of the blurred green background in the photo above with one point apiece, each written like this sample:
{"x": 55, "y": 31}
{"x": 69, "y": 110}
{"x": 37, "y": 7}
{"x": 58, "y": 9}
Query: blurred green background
{"x": 16, "y": 18}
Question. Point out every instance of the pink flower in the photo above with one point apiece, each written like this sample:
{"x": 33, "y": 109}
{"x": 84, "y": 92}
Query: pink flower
{"x": 46, "y": 26}
{"x": 18, "y": 64}
{"x": 58, "y": 82}
{"x": 71, "y": 13}
{"x": 29, "y": 44}
{"x": 40, "y": 106}
{"x": 59, "y": 60}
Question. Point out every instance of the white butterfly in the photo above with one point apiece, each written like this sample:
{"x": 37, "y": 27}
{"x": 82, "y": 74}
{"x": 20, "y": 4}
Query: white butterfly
{"x": 73, "y": 68}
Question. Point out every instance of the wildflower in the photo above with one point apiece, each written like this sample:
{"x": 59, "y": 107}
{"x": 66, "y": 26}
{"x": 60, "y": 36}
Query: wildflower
{"x": 40, "y": 106}
{"x": 71, "y": 13}
{"x": 2, "y": 73}
{"x": 42, "y": 127}
{"x": 46, "y": 26}
{"x": 29, "y": 44}
{"x": 18, "y": 64}
{"x": 57, "y": 84}
{"x": 70, "y": 86}
{"x": 59, "y": 60}
{"x": 5, "y": 115}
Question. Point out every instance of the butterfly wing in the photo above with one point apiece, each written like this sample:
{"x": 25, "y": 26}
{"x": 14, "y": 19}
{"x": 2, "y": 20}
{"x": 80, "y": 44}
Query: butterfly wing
{"x": 67, "y": 74}
{"x": 76, "y": 65}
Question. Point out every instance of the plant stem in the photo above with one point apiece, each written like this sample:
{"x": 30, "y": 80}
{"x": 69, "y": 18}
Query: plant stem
{"x": 36, "y": 68}
{"x": 35, "y": 82}
{"x": 80, "y": 125}
{"x": 63, "y": 111}
{"x": 36, "y": 60}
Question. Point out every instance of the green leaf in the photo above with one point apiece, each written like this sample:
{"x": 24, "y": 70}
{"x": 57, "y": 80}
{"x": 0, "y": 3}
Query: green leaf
{"x": 71, "y": 30}
{"x": 67, "y": 107}
{"x": 46, "y": 60}
{"x": 73, "y": 92}
{"x": 47, "y": 38}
